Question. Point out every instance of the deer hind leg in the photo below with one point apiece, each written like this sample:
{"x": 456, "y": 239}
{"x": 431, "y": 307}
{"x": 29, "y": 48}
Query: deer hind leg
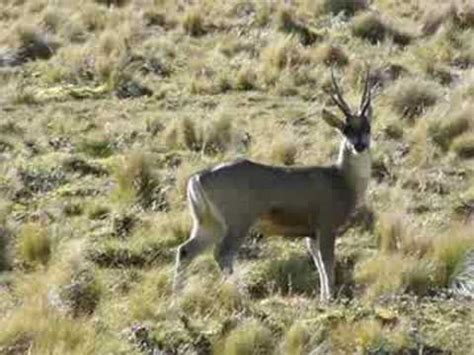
{"x": 228, "y": 247}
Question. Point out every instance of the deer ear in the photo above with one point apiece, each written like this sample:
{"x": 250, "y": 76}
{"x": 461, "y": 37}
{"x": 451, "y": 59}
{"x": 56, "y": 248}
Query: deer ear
{"x": 332, "y": 120}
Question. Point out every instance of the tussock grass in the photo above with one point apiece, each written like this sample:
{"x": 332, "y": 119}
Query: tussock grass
{"x": 82, "y": 294}
{"x": 137, "y": 183}
{"x": 463, "y": 145}
{"x": 283, "y": 52}
{"x": 410, "y": 97}
{"x": 246, "y": 79}
{"x": 292, "y": 273}
{"x": 457, "y": 15}
{"x": 219, "y": 135}
{"x": 331, "y": 55}
{"x": 96, "y": 147}
{"x": 449, "y": 249}
{"x": 287, "y": 21}
{"x": 395, "y": 274}
{"x": 117, "y": 3}
{"x": 349, "y": 7}
{"x": 445, "y": 128}
{"x": 283, "y": 151}
{"x": 300, "y": 338}
{"x": 4, "y": 248}
{"x": 368, "y": 335}
{"x": 375, "y": 29}
{"x": 249, "y": 338}
{"x": 146, "y": 299}
{"x": 34, "y": 245}
{"x": 193, "y": 22}
{"x": 190, "y": 135}
{"x": 413, "y": 263}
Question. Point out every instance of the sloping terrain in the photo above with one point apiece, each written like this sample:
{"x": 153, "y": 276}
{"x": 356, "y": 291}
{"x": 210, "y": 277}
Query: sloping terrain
{"x": 107, "y": 107}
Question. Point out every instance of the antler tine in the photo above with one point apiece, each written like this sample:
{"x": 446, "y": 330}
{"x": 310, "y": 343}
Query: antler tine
{"x": 366, "y": 90}
{"x": 337, "y": 98}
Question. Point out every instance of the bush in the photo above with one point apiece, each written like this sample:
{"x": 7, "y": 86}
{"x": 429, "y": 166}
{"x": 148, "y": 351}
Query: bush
{"x": 34, "y": 244}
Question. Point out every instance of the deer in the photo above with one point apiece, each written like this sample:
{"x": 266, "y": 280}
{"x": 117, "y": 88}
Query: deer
{"x": 312, "y": 202}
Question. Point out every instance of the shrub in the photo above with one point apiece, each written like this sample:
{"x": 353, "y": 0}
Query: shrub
{"x": 34, "y": 244}
{"x": 411, "y": 97}
{"x": 373, "y": 28}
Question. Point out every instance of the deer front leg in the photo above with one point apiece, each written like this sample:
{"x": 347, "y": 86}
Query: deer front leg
{"x": 322, "y": 252}
{"x": 199, "y": 240}
{"x": 326, "y": 247}
{"x": 313, "y": 248}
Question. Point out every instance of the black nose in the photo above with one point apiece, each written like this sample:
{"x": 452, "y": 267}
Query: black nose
{"x": 360, "y": 147}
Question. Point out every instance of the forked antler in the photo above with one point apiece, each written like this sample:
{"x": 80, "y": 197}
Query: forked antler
{"x": 337, "y": 98}
{"x": 367, "y": 95}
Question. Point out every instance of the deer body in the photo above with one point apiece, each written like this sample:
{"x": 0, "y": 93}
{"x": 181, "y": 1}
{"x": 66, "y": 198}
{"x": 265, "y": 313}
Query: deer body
{"x": 312, "y": 202}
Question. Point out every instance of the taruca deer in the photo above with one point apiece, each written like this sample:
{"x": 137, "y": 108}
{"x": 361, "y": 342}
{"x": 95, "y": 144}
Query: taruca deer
{"x": 312, "y": 202}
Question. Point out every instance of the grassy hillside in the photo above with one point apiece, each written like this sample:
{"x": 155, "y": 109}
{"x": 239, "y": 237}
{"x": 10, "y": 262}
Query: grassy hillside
{"x": 107, "y": 107}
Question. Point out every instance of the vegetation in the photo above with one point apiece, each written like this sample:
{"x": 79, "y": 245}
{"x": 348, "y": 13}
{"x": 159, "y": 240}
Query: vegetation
{"x": 107, "y": 108}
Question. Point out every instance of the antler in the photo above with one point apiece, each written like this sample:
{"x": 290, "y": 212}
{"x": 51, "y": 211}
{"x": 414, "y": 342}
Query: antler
{"x": 367, "y": 95}
{"x": 337, "y": 97}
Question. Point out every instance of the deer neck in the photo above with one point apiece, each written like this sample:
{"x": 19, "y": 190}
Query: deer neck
{"x": 356, "y": 169}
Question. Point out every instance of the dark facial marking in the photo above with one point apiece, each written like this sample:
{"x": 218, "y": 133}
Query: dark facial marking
{"x": 357, "y": 131}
